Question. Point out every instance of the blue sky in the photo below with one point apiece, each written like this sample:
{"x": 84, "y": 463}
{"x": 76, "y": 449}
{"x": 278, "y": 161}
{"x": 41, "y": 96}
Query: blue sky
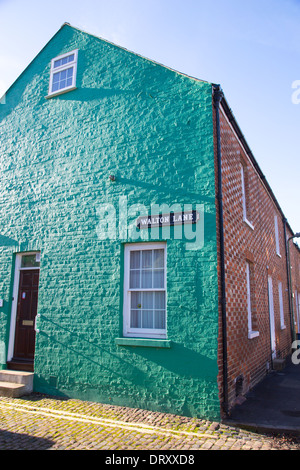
{"x": 250, "y": 47}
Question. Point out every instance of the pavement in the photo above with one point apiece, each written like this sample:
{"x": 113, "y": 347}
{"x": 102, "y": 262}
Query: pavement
{"x": 273, "y": 405}
{"x": 269, "y": 419}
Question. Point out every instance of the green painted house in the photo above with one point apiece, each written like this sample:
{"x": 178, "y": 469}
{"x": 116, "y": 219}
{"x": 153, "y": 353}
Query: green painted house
{"x": 108, "y": 240}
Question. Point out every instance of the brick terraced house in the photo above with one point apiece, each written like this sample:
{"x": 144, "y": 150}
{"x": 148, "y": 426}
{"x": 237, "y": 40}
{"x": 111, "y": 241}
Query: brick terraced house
{"x": 144, "y": 259}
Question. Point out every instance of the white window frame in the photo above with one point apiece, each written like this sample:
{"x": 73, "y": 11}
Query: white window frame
{"x": 142, "y": 332}
{"x": 251, "y": 333}
{"x": 272, "y": 317}
{"x": 282, "y": 324}
{"x": 277, "y": 236}
{"x": 60, "y": 68}
{"x": 245, "y": 219}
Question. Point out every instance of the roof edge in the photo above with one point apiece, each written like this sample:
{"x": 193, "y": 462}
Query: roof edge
{"x": 136, "y": 54}
{"x": 108, "y": 42}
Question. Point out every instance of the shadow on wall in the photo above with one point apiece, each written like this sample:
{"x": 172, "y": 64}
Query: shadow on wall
{"x": 188, "y": 196}
{"x": 182, "y": 361}
{"x": 91, "y": 94}
{"x": 89, "y": 360}
{"x": 89, "y": 365}
{"x": 7, "y": 241}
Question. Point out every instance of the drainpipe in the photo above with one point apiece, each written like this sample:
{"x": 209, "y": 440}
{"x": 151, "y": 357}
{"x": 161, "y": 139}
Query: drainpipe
{"x": 218, "y": 95}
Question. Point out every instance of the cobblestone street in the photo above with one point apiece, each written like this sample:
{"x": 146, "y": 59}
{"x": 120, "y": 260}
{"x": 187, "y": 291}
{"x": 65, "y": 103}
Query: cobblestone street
{"x": 38, "y": 422}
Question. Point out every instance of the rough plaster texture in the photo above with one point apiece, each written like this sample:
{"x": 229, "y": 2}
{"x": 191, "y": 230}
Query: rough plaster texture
{"x": 152, "y": 128}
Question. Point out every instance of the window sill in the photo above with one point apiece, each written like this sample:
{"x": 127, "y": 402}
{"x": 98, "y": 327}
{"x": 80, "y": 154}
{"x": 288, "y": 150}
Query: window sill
{"x": 144, "y": 342}
{"x": 61, "y": 92}
{"x": 253, "y": 334}
{"x": 248, "y": 223}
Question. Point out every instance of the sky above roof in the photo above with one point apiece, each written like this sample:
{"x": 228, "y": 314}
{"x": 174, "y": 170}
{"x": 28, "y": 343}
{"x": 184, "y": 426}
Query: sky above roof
{"x": 251, "y": 48}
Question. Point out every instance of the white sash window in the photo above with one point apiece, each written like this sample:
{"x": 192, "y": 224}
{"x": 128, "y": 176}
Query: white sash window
{"x": 145, "y": 290}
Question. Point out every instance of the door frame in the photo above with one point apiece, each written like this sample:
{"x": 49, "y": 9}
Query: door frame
{"x": 14, "y": 305}
{"x": 297, "y": 297}
{"x": 272, "y": 317}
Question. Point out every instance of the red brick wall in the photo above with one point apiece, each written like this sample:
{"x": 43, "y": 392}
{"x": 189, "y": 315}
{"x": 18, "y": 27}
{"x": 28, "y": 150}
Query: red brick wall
{"x": 295, "y": 277}
{"x": 250, "y": 358}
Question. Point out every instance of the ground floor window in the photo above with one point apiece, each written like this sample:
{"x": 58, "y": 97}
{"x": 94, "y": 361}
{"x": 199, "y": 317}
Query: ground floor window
{"x": 282, "y": 325}
{"x": 252, "y": 333}
{"x": 145, "y": 290}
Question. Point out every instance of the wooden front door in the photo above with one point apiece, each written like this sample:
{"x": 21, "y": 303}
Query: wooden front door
{"x": 26, "y": 312}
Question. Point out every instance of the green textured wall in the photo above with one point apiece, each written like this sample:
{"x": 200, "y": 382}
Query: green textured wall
{"x": 152, "y": 128}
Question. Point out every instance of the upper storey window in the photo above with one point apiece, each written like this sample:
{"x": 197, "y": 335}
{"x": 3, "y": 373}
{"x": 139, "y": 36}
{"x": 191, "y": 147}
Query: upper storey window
{"x": 63, "y": 73}
{"x": 277, "y": 236}
{"x": 245, "y": 195}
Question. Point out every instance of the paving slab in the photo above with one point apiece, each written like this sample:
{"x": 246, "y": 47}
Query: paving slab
{"x": 273, "y": 405}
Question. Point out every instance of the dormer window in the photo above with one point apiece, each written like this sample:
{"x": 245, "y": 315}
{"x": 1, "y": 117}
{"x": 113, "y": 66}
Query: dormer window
{"x": 63, "y": 73}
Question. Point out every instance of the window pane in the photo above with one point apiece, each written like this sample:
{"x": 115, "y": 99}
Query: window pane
{"x": 148, "y": 310}
{"x": 159, "y": 320}
{"x": 146, "y": 281}
{"x": 147, "y": 259}
{"x": 60, "y": 79}
{"x": 63, "y": 61}
{"x": 30, "y": 261}
{"x": 135, "y": 300}
{"x": 158, "y": 258}
{"x": 147, "y": 319}
{"x": 147, "y": 302}
{"x": 56, "y": 78}
{"x": 55, "y": 86}
{"x": 57, "y": 63}
{"x": 135, "y": 259}
{"x": 158, "y": 278}
{"x": 134, "y": 282}
{"x": 159, "y": 300}
{"x": 136, "y": 319}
